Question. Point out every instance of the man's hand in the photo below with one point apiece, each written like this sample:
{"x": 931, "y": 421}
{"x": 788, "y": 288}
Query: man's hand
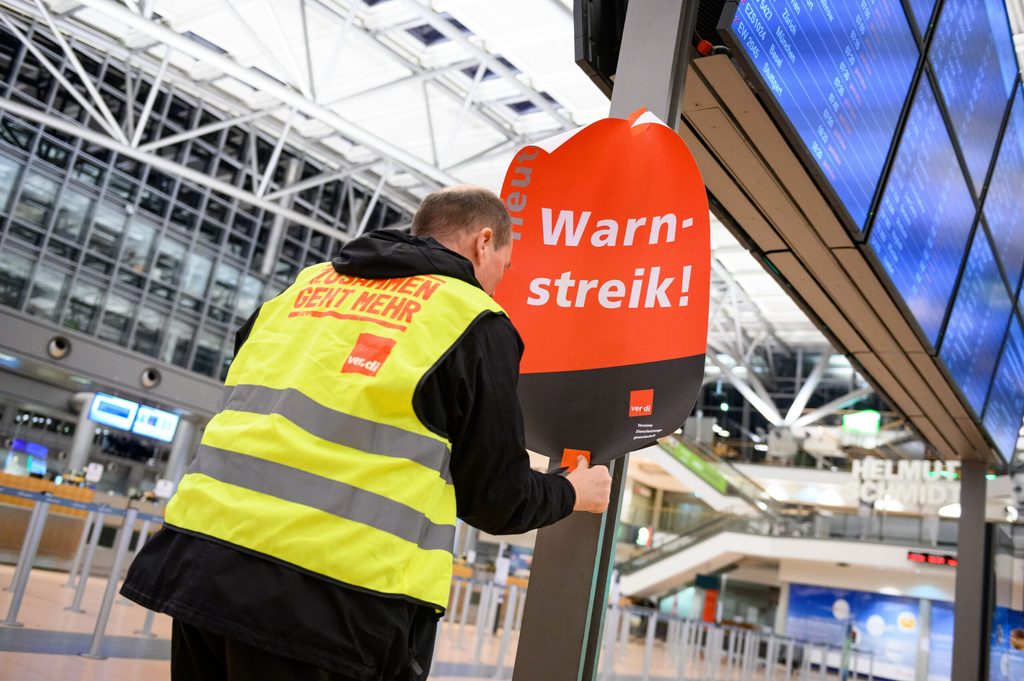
{"x": 592, "y": 485}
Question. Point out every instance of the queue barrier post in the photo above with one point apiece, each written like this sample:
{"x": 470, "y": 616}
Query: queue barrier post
{"x": 90, "y": 553}
{"x": 124, "y": 537}
{"x": 27, "y": 556}
{"x": 90, "y": 521}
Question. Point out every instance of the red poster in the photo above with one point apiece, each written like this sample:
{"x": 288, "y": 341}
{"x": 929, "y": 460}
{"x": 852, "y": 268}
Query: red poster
{"x": 710, "y": 605}
{"x": 608, "y": 285}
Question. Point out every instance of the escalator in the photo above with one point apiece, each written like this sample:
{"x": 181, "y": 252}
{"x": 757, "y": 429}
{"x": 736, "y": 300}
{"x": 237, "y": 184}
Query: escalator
{"x": 720, "y": 483}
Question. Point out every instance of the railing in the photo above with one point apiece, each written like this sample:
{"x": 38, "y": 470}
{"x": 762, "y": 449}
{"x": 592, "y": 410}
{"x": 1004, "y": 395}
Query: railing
{"x": 671, "y": 518}
{"x": 690, "y": 650}
{"x": 719, "y": 473}
{"x": 82, "y": 565}
{"x": 877, "y": 529}
{"x": 479, "y": 635}
{"x": 719, "y": 524}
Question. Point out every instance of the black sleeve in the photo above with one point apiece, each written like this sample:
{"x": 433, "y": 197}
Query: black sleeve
{"x": 243, "y": 331}
{"x": 471, "y": 397}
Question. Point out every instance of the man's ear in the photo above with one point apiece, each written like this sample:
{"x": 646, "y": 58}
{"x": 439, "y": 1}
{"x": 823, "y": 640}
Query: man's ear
{"x": 483, "y": 238}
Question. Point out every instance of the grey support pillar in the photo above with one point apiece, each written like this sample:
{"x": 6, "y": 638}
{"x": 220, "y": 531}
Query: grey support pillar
{"x": 565, "y": 604}
{"x": 84, "y": 432}
{"x": 924, "y": 632}
{"x": 973, "y": 616}
{"x": 782, "y": 610}
{"x": 277, "y": 226}
{"x": 181, "y": 450}
{"x": 573, "y": 559}
{"x": 659, "y": 505}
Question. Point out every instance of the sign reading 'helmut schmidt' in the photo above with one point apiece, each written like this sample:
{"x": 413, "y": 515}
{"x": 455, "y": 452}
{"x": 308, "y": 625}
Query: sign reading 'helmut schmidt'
{"x": 920, "y": 483}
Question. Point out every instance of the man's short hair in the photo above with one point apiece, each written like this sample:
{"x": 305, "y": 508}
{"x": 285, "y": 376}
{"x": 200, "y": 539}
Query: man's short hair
{"x": 452, "y": 212}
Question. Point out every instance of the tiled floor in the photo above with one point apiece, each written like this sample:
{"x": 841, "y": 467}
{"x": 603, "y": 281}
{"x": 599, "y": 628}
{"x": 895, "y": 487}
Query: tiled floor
{"x": 47, "y": 647}
{"x": 48, "y": 625}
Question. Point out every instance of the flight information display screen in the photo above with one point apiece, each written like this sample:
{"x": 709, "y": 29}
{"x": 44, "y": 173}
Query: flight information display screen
{"x": 975, "y": 64}
{"x": 922, "y": 10}
{"x": 1002, "y": 208}
{"x": 1005, "y": 407}
{"x": 155, "y": 423}
{"x": 977, "y": 324}
{"x": 112, "y": 411}
{"x": 840, "y": 72}
{"x": 925, "y": 217}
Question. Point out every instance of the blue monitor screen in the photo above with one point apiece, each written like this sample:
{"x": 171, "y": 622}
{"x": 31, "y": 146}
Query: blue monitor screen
{"x": 155, "y": 423}
{"x": 36, "y": 466}
{"x": 1005, "y": 407}
{"x": 977, "y": 324}
{"x": 925, "y": 216}
{"x": 1002, "y": 207}
{"x": 33, "y": 448}
{"x": 113, "y": 411}
{"x": 841, "y": 72}
{"x": 922, "y": 10}
{"x": 973, "y": 56}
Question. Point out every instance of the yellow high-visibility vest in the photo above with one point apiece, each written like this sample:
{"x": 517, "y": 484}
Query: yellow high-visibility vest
{"x": 317, "y": 457}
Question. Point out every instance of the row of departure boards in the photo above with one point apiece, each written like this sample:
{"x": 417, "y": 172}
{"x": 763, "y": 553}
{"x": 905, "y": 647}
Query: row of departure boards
{"x": 911, "y": 116}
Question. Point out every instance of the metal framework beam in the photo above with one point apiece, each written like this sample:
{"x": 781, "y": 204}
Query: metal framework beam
{"x": 339, "y": 42}
{"x": 766, "y": 408}
{"x": 90, "y": 87}
{"x": 414, "y": 77}
{"x": 808, "y": 388}
{"x": 300, "y": 81}
{"x": 322, "y": 178}
{"x": 271, "y": 87}
{"x": 830, "y": 408}
{"x": 205, "y": 129}
{"x": 483, "y": 114}
{"x": 372, "y": 203}
{"x": 132, "y": 49}
{"x": 310, "y": 76}
{"x": 56, "y": 73}
{"x": 147, "y": 108}
{"x": 135, "y": 55}
{"x": 454, "y": 137}
{"x": 446, "y": 29}
{"x": 719, "y": 270}
{"x": 244, "y": 24}
{"x": 161, "y": 163}
{"x": 275, "y": 155}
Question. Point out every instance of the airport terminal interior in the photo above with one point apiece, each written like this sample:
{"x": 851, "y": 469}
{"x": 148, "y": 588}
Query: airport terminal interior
{"x": 844, "y": 500}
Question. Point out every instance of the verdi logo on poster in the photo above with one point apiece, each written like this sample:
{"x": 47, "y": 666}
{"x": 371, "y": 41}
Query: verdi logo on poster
{"x": 609, "y": 284}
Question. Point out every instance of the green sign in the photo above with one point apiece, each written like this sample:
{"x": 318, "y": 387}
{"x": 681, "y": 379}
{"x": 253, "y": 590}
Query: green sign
{"x": 703, "y": 469}
{"x": 868, "y": 422}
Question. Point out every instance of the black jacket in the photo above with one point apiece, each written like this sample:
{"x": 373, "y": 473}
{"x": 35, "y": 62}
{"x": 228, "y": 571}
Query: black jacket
{"x": 471, "y": 397}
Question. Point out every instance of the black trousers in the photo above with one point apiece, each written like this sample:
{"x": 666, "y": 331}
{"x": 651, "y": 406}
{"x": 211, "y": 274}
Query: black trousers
{"x": 198, "y": 655}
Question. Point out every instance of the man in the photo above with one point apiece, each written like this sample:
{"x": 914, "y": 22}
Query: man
{"x": 367, "y": 405}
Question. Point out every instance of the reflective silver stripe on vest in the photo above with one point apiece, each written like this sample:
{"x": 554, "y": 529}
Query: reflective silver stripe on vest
{"x": 330, "y": 496}
{"x": 339, "y": 427}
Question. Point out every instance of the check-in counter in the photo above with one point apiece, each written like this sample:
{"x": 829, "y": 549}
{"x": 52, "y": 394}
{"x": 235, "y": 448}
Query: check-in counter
{"x": 64, "y": 526}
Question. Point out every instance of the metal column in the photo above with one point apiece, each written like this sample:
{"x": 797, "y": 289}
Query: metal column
{"x": 85, "y": 430}
{"x": 973, "y": 616}
{"x": 562, "y": 627}
{"x": 181, "y": 449}
{"x": 924, "y": 628}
